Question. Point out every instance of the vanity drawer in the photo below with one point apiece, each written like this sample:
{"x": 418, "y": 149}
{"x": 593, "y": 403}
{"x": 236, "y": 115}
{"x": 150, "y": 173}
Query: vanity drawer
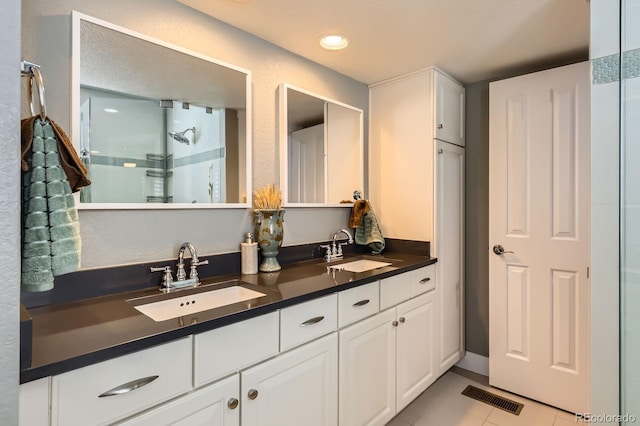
{"x": 228, "y": 349}
{"x": 104, "y": 392}
{"x": 358, "y": 303}
{"x": 394, "y": 290}
{"x": 423, "y": 280}
{"x": 307, "y": 321}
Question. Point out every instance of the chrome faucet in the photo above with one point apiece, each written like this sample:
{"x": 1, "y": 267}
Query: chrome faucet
{"x": 168, "y": 284}
{"x": 195, "y": 262}
{"x": 334, "y": 251}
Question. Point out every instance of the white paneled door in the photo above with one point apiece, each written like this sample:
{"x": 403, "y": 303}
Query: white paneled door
{"x": 539, "y": 187}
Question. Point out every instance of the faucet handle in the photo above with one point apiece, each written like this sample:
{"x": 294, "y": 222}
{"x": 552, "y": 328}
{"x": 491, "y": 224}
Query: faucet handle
{"x": 193, "y": 273}
{"x": 327, "y": 254}
{"x": 339, "y": 253}
{"x": 167, "y": 278}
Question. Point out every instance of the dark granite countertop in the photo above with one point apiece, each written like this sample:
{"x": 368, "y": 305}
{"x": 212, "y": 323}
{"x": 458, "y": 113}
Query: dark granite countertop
{"x": 67, "y": 336}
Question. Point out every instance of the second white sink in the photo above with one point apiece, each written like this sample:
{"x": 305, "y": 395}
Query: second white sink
{"x": 191, "y": 304}
{"x": 361, "y": 265}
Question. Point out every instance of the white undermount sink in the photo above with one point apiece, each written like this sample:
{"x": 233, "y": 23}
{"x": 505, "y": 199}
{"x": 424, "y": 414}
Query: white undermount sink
{"x": 361, "y": 265}
{"x": 186, "y": 305}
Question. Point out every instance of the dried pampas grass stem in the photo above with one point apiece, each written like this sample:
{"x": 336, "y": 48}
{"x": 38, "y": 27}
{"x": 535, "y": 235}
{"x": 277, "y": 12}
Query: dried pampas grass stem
{"x": 268, "y": 197}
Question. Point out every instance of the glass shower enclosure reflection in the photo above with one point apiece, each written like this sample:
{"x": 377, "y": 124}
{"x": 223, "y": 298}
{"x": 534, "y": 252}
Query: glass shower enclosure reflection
{"x": 155, "y": 151}
{"x": 629, "y": 211}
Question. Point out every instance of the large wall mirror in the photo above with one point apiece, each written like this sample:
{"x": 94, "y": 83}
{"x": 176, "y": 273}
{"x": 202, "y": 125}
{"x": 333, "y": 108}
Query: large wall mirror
{"x": 321, "y": 149}
{"x": 157, "y": 125}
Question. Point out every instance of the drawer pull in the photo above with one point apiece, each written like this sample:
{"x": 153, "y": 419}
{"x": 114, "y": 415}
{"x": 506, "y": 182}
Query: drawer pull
{"x": 312, "y": 321}
{"x": 361, "y": 303}
{"x": 233, "y": 403}
{"x": 252, "y": 394}
{"x": 128, "y": 387}
{"x": 425, "y": 280}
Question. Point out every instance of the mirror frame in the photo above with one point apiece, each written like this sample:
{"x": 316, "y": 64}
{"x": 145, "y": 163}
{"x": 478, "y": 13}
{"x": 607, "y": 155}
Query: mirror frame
{"x": 283, "y": 136}
{"x": 76, "y": 18}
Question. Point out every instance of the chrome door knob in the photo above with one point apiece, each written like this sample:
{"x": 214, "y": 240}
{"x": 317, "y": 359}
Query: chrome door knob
{"x": 499, "y": 250}
{"x": 233, "y": 403}
{"x": 252, "y": 394}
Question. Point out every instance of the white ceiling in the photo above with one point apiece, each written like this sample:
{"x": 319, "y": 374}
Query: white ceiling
{"x": 472, "y": 40}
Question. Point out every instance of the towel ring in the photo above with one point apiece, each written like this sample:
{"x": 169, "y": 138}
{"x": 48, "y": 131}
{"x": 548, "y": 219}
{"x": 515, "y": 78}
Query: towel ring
{"x": 37, "y": 77}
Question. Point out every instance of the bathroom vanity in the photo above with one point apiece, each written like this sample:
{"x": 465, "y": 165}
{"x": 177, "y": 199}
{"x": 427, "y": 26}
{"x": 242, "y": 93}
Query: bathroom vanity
{"x": 325, "y": 346}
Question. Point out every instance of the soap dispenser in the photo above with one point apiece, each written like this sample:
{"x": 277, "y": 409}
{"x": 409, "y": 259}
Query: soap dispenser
{"x": 249, "y": 254}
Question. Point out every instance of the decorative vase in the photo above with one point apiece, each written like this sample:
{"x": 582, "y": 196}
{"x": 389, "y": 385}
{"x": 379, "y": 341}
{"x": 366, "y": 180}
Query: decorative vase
{"x": 269, "y": 237}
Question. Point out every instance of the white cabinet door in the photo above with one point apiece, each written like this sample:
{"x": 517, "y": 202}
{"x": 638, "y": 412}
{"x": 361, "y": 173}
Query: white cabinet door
{"x": 34, "y": 403}
{"x": 367, "y": 371}
{"x": 416, "y": 367}
{"x": 400, "y": 157}
{"x": 449, "y": 249}
{"x": 306, "y": 165}
{"x": 214, "y": 405}
{"x": 296, "y": 388}
{"x": 449, "y": 109}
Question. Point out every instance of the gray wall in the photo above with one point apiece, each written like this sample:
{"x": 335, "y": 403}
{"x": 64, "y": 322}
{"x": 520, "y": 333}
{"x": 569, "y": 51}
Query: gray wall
{"x": 477, "y": 218}
{"x": 120, "y": 237}
{"x": 477, "y": 203}
{"x": 9, "y": 209}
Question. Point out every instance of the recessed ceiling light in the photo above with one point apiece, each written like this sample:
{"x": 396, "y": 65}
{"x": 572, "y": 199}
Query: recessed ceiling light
{"x": 111, "y": 110}
{"x": 334, "y": 42}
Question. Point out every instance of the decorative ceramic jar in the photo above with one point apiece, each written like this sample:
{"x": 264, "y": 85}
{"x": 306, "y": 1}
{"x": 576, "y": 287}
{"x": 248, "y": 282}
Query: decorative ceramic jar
{"x": 269, "y": 237}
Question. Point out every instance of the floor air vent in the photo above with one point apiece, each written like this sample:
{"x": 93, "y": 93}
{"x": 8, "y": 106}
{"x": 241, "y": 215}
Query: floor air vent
{"x": 493, "y": 399}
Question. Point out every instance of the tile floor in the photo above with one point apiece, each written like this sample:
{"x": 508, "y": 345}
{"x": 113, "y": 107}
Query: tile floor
{"x": 443, "y": 405}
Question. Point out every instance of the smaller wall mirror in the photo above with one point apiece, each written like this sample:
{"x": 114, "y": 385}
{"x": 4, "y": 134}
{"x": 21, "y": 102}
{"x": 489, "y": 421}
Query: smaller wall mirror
{"x": 321, "y": 149}
{"x": 157, "y": 125}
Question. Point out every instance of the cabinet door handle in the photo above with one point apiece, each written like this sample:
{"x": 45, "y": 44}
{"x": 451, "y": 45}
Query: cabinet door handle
{"x": 440, "y": 126}
{"x": 361, "y": 303}
{"x": 128, "y": 387}
{"x": 252, "y": 394}
{"x": 312, "y": 321}
{"x": 394, "y": 323}
{"x": 402, "y": 319}
{"x": 232, "y": 403}
{"x": 425, "y": 280}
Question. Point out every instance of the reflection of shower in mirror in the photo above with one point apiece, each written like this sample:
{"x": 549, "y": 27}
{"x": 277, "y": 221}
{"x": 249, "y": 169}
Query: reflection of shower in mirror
{"x": 180, "y": 136}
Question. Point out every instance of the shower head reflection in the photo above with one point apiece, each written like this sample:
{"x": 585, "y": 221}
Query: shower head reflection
{"x": 180, "y": 136}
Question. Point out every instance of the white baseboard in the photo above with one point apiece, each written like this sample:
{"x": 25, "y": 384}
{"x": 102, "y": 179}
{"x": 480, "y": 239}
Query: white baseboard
{"x": 474, "y": 362}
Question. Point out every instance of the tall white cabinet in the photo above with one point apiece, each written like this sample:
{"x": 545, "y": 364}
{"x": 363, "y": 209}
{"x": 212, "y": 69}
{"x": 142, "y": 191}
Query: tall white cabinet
{"x": 416, "y": 183}
{"x": 449, "y": 235}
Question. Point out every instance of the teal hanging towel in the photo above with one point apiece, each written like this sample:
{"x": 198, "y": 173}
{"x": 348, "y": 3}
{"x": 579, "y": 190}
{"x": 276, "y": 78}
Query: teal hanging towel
{"x": 50, "y": 226}
{"x": 368, "y": 231}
